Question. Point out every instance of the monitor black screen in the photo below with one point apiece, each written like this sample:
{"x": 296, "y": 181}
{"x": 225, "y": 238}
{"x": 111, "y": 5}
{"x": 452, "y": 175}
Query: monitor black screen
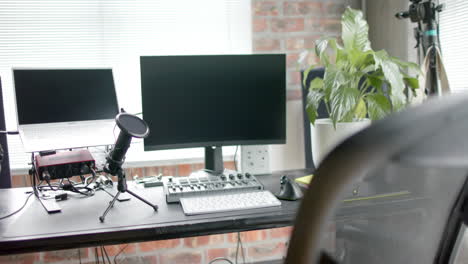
{"x": 64, "y": 95}
{"x": 213, "y": 100}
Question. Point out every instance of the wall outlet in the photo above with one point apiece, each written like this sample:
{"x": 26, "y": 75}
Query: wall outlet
{"x": 255, "y": 159}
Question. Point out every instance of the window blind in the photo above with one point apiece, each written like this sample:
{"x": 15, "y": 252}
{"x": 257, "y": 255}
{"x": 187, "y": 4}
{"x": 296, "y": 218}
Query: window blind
{"x": 112, "y": 33}
{"x": 454, "y": 39}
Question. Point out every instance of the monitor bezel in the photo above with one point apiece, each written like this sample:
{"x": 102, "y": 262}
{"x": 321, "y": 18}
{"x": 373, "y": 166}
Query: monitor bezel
{"x": 13, "y": 69}
{"x": 218, "y": 143}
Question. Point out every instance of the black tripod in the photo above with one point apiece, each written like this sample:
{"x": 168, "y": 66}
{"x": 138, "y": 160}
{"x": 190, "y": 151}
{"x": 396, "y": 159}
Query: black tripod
{"x": 130, "y": 126}
{"x": 425, "y": 13}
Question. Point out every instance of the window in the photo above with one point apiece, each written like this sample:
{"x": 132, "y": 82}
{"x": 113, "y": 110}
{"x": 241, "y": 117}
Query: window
{"x": 453, "y": 39}
{"x": 112, "y": 33}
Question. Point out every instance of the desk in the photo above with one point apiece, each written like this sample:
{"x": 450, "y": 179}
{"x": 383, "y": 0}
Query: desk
{"x": 78, "y": 225}
{"x": 33, "y": 230}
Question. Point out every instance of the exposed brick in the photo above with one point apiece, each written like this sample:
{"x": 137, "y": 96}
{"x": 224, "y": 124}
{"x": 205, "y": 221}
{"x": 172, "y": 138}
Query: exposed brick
{"x": 169, "y": 170}
{"x": 137, "y": 172}
{"x": 283, "y": 232}
{"x": 287, "y": 24}
{"x": 115, "y": 249}
{"x": 302, "y": 8}
{"x": 294, "y": 77}
{"x": 295, "y": 94}
{"x": 229, "y": 165}
{"x": 216, "y": 253}
{"x": 291, "y": 59}
{"x": 248, "y": 236}
{"x": 300, "y": 43}
{"x": 154, "y": 245}
{"x": 267, "y": 251}
{"x": 332, "y": 26}
{"x": 198, "y": 166}
{"x": 259, "y": 24}
{"x": 19, "y": 259}
{"x": 150, "y": 171}
{"x": 181, "y": 258}
{"x": 334, "y": 9}
{"x": 17, "y": 181}
{"x": 195, "y": 242}
{"x": 64, "y": 255}
{"x": 265, "y": 8}
{"x": 266, "y": 44}
{"x": 138, "y": 260}
{"x": 185, "y": 169}
{"x": 217, "y": 239}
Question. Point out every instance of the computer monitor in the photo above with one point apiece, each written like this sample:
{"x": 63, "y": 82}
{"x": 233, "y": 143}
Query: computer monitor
{"x": 213, "y": 101}
{"x": 64, "y": 95}
{"x": 65, "y": 108}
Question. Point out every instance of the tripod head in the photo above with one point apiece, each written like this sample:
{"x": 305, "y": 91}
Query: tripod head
{"x": 420, "y": 11}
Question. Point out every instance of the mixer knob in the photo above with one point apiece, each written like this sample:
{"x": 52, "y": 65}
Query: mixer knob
{"x": 231, "y": 176}
{"x": 248, "y": 175}
{"x": 223, "y": 177}
{"x": 239, "y": 176}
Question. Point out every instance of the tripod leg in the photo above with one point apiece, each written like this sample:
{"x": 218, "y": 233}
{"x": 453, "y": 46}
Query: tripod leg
{"x": 155, "y": 207}
{"x": 111, "y": 203}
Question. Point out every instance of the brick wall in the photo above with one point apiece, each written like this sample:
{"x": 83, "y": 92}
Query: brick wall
{"x": 278, "y": 27}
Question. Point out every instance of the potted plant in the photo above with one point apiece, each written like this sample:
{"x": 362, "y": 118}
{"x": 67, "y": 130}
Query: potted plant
{"x": 359, "y": 84}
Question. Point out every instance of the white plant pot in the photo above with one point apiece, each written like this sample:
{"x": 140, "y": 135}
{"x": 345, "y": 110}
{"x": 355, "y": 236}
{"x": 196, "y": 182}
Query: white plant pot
{"x": 325, "y": 137}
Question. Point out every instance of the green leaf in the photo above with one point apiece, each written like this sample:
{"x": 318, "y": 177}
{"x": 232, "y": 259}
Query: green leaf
{"x": 306, "y": 74}
{"x": 343, "y": 103}
{"x": 412, "y": 82}
{"x": 394, "y": 77}
{"x": 355, "y": 31}
{"x": 313, "y": 101}
{"x": 405, "y": 64}
{"x": 361, "y": 109}
{"x": 316, "y": 83}
{"x": 378, "y": 106}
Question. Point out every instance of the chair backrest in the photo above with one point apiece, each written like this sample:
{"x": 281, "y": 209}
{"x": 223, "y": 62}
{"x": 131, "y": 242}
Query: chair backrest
{"x": 417, "y": 163}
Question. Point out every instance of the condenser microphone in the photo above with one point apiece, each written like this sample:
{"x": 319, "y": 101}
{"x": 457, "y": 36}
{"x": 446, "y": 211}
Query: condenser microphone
{"x": 130, "y": 126}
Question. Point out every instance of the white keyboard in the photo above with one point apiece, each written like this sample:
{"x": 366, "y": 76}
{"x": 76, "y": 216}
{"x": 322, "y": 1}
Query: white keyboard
{"x": 228, "y": 202}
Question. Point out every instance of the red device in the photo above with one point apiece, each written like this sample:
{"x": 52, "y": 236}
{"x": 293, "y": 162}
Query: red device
{"x": 64, "y": 164}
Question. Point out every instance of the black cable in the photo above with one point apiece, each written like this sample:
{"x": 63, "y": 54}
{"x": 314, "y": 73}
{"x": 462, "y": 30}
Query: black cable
{"x": 120, "y": 251}
{"x": 9, "y": 132}
{"x": 102, "y": 255}
{"x": 242, "y": 248}
{"x": 107, "y": 256}
{"x": 79, "y": 255}
{"x": 235, "y": 156}
{"x": 218, "y": 259}
{"x": 21, "y": 208}
{"x": 96, "y": 255}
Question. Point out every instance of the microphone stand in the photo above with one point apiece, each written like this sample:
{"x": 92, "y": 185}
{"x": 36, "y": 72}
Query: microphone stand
{"x": 130, "y": 126}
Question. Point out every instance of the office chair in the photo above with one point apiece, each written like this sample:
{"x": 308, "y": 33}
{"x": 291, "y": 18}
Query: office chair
{"x": 422, "y": 151}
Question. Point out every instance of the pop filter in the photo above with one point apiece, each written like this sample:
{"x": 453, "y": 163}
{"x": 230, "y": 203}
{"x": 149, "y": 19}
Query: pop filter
{"x": 130, "y": 126}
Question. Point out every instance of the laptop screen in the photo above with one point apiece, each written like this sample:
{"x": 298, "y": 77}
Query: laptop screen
{"x": 64, "y": 95}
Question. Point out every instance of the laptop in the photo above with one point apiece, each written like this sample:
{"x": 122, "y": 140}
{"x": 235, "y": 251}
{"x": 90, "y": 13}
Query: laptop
{"x": 65, "y": 108}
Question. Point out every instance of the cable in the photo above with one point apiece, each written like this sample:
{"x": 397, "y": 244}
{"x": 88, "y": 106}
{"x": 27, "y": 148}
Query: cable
{"x": 242, "y": 248}
{"x": 9, "y": 132}
{"x": 79, "y": 255}
{"x": 107, "y": 255}
{"x": 21, "y": 208}
{"x": 120, "y": 251}
{"x": 235, "y": 156}
{"x": 96, "y": 255}
{"x": 218, "y": 259}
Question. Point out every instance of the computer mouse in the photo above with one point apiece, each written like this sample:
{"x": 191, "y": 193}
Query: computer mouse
{"x": 289, "y": 189}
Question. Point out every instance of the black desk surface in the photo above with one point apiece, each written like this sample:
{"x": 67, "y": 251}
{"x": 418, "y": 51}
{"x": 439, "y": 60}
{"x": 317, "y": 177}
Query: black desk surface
{"x": 32, "y": 229}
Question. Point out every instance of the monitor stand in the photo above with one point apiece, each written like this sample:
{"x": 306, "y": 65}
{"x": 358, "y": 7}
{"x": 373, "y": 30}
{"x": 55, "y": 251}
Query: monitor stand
{"x": 214, "y": 160}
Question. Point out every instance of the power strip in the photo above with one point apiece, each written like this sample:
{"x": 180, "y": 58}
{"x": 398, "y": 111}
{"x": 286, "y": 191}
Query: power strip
{"x": 255, "y": 159}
